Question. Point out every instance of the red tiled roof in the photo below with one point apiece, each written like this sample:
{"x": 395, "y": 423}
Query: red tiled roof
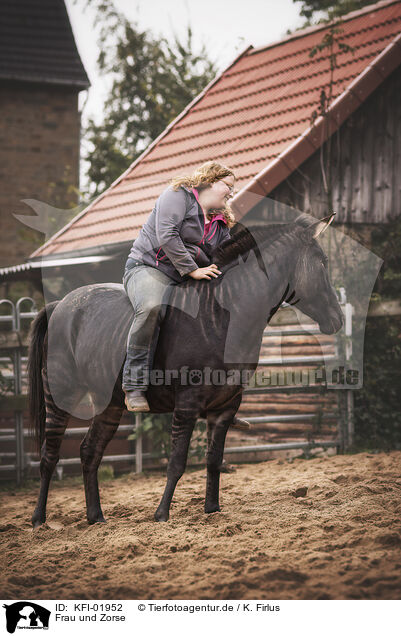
{"x": 254, "y": 117}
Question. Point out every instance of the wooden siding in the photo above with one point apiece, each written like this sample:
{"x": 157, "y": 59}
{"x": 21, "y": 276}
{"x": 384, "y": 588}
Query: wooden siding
{"x": 366, "y": 167}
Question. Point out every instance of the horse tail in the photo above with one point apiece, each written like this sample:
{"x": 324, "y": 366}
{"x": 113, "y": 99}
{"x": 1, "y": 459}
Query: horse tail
{"x": 36, "y": 358}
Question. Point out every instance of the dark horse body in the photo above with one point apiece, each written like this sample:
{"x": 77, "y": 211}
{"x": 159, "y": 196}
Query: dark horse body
{"x": 78, "y": 348}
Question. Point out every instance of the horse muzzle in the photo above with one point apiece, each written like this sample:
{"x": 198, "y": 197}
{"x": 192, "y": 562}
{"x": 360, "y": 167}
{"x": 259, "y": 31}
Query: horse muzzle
{"x": 332, "y": 323}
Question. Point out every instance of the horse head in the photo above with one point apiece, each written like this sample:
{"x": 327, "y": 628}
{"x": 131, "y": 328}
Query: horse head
{"x": 312, "y": 291}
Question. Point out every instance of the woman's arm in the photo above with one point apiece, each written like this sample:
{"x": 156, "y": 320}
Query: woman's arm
{"x": 170, "y": 214}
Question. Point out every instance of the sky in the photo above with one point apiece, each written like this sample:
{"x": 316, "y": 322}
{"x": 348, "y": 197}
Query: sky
{"x": 225, "y": 26}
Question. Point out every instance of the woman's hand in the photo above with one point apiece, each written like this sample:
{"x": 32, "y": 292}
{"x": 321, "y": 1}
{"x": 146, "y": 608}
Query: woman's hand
{"x": 205, "y": 272}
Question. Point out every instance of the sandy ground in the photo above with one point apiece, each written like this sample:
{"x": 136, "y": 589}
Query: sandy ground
{"x": 342, "y": 540}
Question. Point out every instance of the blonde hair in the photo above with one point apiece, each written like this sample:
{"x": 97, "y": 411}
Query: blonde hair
{"x": 208, "y": 173}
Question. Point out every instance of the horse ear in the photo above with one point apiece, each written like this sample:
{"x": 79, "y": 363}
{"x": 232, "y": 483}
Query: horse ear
{"x": 321, "y": 226}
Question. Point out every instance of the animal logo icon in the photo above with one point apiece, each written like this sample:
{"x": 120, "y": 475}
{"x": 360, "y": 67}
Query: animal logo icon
{"x": 25, "y": 615}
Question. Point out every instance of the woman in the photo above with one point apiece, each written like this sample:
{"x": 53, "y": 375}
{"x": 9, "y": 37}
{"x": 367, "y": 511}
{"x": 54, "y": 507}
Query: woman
{"x": 190, "y": 218}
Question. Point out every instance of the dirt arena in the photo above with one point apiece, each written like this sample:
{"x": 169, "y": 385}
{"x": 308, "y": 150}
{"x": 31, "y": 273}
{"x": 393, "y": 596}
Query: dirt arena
{"x": 325, "y": 528}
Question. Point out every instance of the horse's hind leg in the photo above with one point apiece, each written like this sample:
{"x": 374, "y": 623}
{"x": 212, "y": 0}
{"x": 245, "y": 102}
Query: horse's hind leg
{"x": 218, "y": 425}
{"x": 56, "y": 423}
{"x": 92, "y": 448}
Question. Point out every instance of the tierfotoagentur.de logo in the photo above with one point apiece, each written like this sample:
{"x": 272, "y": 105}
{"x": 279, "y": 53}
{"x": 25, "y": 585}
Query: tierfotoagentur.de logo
{"x": 26, "y": 615}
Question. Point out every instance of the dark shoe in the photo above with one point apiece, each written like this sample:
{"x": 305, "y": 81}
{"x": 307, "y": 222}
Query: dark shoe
{"x": 240, "y": 425}
{"x": 136, "y": 402}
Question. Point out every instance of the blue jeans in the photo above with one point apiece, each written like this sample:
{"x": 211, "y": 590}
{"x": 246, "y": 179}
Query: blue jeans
{"x": 149, "y": 291}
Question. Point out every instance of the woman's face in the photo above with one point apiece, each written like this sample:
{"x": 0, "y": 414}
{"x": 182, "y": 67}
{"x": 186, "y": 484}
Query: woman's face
{"x": 221, "y": 191}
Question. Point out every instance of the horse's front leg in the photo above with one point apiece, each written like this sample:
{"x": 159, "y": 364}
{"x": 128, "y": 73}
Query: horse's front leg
{"x": 183, "y": 425}
{"x": 218, "y": 425}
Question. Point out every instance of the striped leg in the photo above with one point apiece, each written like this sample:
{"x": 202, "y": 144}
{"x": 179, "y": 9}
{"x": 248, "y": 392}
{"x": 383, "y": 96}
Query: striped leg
{"x": 218, "y": 425}
{"x": 56, "y": 423}
{"x": 183, "y": 425}
{"x": 92, "y": 448}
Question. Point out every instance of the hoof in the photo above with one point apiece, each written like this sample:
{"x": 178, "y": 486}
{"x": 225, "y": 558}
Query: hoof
{"x": 99, "y": 519}
{"x": 161, "y": 516}
{"x": 240, "y": 425}
{"x": 209, "y": 509}
{"x": 37, "y": 520}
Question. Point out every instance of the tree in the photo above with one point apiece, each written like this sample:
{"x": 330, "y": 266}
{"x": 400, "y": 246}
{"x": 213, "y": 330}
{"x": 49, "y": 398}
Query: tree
{"x": 152, "y": 82}
{"x": 330, "y": 9}
{"x": 332, "y": 43}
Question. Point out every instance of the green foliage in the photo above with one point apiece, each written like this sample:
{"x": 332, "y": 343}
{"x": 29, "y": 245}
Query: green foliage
{"x": 330, "y": 39}
{"x": 329, "y": 9}
{"x": 157, "y": 428}
{"x": 6, "y": 385}
{"x": 377, "y": 404}
{"x": 386, "y": 243}
{"x": 198, "y": 445}
{"x": 330, "y": 46}
{"x": 105, "y": 472}
{"x": 152, "y": 82}
{"x": 332, "y": 43}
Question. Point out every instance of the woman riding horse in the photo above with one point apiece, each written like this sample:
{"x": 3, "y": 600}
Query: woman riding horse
{"x": 190, "y": 219}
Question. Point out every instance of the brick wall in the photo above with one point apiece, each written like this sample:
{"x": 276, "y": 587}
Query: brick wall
{"x": 39, "y": 146}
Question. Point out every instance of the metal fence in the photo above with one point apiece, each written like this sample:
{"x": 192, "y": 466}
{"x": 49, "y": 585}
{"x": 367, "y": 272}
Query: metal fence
{"x": 12, "y": 360}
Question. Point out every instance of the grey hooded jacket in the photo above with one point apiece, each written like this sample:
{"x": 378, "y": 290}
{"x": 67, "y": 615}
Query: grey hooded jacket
{"x": 174, "y": 238}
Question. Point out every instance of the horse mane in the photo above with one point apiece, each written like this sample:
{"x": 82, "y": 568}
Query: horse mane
{"x": 245, "y": 238}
